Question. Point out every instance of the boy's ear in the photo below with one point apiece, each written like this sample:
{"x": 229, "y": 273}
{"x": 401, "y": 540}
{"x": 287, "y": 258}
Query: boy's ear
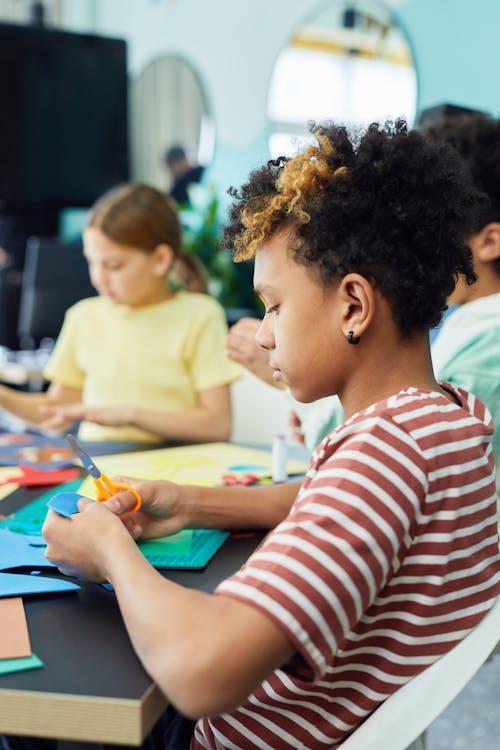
{"x": 164, "y": 257}
{"x": 487, "y": 243}
{"x": 358, "y": 304}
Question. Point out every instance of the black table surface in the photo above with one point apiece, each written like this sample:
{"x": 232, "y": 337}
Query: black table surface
{"x": 81, "y": 638}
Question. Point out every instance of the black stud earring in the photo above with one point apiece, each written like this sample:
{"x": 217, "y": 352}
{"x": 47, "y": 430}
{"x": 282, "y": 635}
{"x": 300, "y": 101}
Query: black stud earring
{"x": 351, "y": 339}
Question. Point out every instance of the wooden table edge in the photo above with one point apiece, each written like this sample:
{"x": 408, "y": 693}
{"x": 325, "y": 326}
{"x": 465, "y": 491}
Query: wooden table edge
{"x": 81, "y": 718}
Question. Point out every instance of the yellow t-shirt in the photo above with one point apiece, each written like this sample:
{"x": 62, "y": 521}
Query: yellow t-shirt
{"x": 156, "y": 357}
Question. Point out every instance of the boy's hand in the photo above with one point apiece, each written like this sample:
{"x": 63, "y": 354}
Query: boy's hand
{"x": 82, "y": 545}
{"x": 163, "y": 510}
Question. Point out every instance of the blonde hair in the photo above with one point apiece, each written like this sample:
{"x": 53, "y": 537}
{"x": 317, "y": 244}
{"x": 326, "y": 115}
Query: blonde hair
{"x": 300, "y": 178}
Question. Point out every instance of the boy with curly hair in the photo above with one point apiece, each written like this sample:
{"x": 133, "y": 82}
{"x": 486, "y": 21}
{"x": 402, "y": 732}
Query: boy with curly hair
{"x": 389, "y": 555}
{"x": 467, "y": 353}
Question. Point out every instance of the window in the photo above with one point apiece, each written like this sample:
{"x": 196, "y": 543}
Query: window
{"x": 344, "y": 66}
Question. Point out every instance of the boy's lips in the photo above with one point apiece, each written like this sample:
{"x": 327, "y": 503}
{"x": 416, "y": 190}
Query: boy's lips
{"x": 276, "y": 373}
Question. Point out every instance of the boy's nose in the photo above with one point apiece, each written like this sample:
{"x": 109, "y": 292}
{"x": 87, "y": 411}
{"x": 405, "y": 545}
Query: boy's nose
{"x": 265, "y": 336}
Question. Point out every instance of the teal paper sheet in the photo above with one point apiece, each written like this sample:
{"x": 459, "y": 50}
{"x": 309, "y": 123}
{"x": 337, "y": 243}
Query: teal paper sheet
{"x": 19, "y": 665}
{"x": 30, "y": 518}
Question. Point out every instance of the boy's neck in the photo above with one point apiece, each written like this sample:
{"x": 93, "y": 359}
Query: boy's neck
{"x": 405, "y": 364}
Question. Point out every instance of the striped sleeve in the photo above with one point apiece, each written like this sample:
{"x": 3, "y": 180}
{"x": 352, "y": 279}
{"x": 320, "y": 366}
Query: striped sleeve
{"x": 348, "y": 531}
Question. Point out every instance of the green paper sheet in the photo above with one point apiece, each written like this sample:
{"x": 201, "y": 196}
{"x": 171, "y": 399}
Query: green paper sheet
{"x": 7, "y": 666}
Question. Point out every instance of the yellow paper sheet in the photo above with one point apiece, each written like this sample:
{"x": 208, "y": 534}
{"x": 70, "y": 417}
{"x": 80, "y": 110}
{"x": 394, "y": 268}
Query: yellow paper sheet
{"x": 190, "y": 464}
{"x": 5, "y": 473}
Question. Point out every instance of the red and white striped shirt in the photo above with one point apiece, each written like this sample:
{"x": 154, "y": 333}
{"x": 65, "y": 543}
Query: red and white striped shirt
{"x": 388, "y": 558}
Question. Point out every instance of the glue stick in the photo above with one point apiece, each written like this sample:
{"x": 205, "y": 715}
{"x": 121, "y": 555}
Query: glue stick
{"x": 279, "y": 473}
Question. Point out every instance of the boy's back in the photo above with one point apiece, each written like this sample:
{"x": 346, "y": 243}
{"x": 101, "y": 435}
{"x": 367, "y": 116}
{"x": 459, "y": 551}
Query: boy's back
{"x": 388, "y": 558}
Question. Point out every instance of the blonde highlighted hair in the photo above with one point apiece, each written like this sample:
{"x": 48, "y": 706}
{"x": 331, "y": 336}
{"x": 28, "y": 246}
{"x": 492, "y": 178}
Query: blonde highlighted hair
{"x": 301, "y": 177}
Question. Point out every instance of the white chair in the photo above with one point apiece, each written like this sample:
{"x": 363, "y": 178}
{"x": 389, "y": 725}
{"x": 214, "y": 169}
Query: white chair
{"x": 399, "y": 723}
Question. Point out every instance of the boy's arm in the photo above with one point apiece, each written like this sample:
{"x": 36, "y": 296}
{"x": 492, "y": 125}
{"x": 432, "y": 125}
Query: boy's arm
{"x": 206, "y": 653}
{"x": 168, "y": 507}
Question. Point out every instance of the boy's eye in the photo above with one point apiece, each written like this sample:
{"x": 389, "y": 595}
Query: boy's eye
{"x": 272, "y": 309}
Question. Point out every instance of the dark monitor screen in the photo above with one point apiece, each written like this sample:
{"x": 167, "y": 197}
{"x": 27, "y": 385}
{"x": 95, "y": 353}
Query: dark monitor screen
{"x": 55, "y": 276}
{"x": 63, "y": 117}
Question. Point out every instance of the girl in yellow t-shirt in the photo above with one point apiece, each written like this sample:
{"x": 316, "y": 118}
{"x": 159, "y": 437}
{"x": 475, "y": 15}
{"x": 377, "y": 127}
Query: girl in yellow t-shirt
{"x": 139, "y": 362}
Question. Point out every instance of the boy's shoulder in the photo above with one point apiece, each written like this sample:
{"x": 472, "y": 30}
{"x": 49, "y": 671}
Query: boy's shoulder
{"x": 414, "y": 421}
{"x": 407, "y": 440}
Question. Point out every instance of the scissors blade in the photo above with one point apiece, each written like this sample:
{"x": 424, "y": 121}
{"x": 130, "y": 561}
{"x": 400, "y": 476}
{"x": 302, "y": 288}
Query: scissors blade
{"x": 84, "y": 457}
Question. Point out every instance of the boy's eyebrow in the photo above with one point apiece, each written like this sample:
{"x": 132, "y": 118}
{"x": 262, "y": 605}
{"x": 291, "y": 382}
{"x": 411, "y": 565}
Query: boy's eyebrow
{"x": 262, "y": 288}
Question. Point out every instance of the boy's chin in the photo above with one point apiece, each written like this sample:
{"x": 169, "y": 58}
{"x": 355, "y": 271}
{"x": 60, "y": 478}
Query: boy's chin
{"x": 302, "y": 395}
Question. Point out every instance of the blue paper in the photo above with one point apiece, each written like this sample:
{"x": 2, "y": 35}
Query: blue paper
{"x": 65, "y": 503}
{"x": 246, "y": 467}
{"x": 17, "y": 551}
{"x": 28, "y": 452}
{"x": 14, "y": 584}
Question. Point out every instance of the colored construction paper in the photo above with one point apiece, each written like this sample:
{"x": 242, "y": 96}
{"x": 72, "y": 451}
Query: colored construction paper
{"x": 246, "y": 467}
{"x": 29, "y": 519}
{"x": 14, "y": 636}
{"x": 49, "y": 452}
{"x": 17, "y": 584}
{"x": 17, "y": 550}
{"x": 65, "y": 503}
{"x": 19, "y": 665}
{"x": 29, "y": 476}
{"x": 39, "y": 451}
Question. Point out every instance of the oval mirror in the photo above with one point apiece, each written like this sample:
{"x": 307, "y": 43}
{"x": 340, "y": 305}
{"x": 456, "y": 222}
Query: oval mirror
{"x": 169, "y": 111}
{"x": 350, "y": 63}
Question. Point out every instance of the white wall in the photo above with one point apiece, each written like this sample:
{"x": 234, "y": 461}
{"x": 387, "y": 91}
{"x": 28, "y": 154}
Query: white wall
{"x": 233, "y": 45}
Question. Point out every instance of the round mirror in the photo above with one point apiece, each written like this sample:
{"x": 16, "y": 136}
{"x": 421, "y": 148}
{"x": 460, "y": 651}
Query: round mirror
{"x": 170, "y": 117}
{"x": 349, "y": 63}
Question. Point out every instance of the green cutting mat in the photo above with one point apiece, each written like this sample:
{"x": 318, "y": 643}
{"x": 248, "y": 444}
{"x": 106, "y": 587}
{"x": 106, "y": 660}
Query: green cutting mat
{"x": 203, "y": 544}
{"x": 191, "y": 548}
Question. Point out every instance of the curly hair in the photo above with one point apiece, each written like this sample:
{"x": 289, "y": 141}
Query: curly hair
{"x": 476, "y": 137}
{"x": 390, "y": 205}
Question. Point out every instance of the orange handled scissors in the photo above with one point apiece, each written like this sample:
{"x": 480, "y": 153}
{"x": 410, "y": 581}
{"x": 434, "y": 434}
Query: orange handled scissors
{"x": 105, "y": 487}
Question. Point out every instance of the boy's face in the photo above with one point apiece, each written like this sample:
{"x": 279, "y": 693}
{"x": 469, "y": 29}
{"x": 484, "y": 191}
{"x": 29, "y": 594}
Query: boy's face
{"x": 301, "y": 328}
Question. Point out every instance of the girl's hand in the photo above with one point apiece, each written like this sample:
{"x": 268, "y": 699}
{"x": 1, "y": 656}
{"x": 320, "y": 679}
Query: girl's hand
{"x": 295, "y": 424}
{"x": 164, "y": 509}
{"x": 83, "y": 544}
{"x": 58, "y": 417}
